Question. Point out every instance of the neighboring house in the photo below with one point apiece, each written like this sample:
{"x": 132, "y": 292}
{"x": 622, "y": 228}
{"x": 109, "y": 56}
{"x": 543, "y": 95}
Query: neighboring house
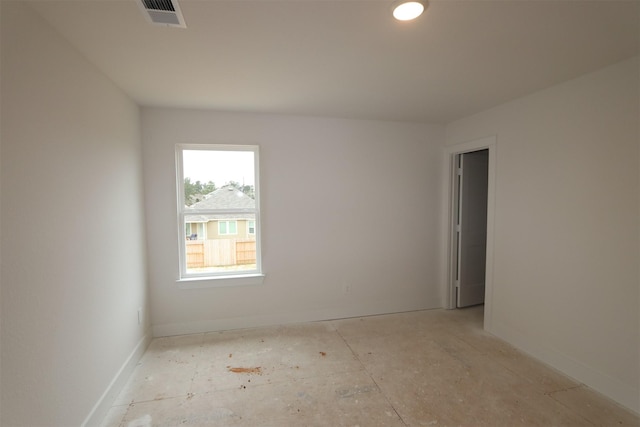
{"x": 222, "y": 226}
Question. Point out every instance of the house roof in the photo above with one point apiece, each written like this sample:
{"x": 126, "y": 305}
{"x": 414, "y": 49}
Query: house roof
{"x": 227, "y": 197}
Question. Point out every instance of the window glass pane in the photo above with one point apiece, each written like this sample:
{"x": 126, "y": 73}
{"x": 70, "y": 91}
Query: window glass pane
{"x": 207, "y": 170}
{"x": 219, "y": 197}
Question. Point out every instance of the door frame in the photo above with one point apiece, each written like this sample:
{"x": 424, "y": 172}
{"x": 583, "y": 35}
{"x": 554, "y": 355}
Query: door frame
{"x": 489, "y": 143}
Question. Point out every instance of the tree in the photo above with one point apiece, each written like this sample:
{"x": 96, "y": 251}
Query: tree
{"x": 194, "y": 191}
{"x": 209, "y": 187}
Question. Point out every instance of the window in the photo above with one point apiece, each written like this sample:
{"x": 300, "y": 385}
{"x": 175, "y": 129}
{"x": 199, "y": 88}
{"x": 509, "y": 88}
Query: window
{"x": 227, "y": 228}
{"x": 218, "y": 211}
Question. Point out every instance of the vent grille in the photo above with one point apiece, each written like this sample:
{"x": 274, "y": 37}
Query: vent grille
{"x": 163, "y": 12}
{"x": 166, "y": 5}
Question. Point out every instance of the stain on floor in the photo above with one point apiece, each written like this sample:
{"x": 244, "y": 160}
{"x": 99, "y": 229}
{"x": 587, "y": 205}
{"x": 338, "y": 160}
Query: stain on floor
{"x": 257, "y": 370}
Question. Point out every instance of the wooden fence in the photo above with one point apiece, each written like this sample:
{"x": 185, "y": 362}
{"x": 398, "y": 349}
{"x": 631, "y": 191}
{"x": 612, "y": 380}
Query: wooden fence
{"x": 195, "y": 254}
{"x": 220, "y": 252}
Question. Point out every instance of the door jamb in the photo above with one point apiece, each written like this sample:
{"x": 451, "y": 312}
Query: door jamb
{"x": 451, "y": 152}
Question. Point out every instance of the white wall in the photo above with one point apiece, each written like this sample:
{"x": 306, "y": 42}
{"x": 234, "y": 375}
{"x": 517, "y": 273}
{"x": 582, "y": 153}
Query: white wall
{"x": 73, "y": 266}
{"x": 323, "y": 181}
{"x": 566, "y": 219}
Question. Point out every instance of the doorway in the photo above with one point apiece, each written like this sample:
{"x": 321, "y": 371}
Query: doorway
{"x": 471, "y": 188}
{"x": 480, "y": 155}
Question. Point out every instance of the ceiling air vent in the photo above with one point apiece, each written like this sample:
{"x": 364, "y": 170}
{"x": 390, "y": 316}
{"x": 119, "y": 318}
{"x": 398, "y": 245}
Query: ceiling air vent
{"x": 163, "y": 12}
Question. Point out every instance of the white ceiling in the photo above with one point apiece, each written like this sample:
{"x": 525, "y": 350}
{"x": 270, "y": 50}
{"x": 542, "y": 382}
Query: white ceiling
{"x": 348, "y": 58}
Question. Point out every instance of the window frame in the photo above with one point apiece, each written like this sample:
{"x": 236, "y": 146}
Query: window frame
{"x": 222, "y": 278}
{"x": 228, "y": 226}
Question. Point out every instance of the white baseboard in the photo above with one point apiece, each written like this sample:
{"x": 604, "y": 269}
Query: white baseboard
{"x": 225, "y": 324}
{"x": 102, "y": 406}
{"x": 623, "y": 394}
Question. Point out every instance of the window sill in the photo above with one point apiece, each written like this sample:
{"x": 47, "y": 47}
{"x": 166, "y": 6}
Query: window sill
{"x": 221, "y": 281}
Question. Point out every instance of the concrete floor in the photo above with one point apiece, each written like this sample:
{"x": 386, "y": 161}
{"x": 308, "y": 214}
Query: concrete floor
{"x": 427, "y": 368}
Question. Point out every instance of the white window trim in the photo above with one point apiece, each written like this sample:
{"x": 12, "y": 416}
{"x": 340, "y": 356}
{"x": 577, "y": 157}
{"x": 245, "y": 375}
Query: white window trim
{"x": 221, "y": 281}
{"x": 216, "y": 279}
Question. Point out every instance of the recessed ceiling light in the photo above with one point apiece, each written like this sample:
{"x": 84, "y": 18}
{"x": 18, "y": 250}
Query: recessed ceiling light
{"x": 407, "y": 10}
